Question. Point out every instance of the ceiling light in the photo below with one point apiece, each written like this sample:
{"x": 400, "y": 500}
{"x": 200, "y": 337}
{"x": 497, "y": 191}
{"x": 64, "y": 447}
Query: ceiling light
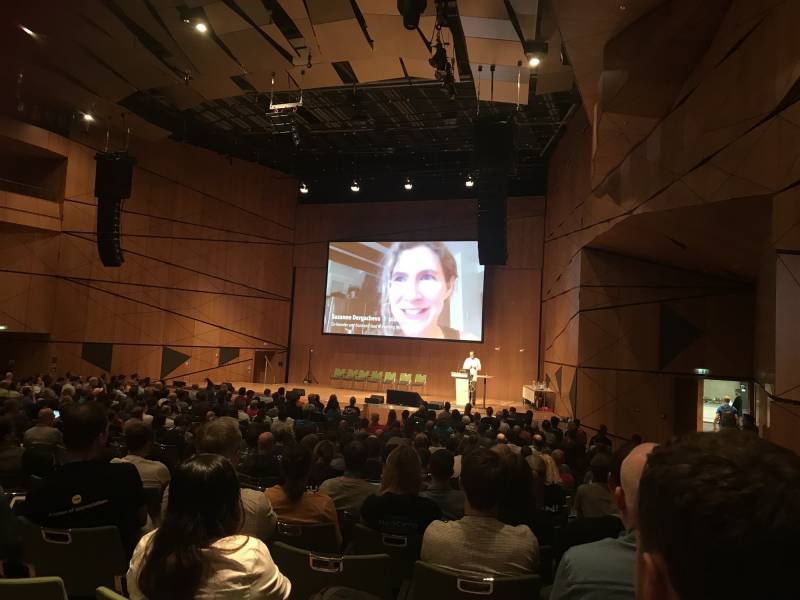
{"x": 354, "y": 187}
{"x": 28, "y": 31}
{"x": 88, "y": 118}
{"x": 623, "y": 6}
{"x": 470, "y": 182}
{"x": 534, "y": 62}
{"x": 408, "y": 185}
{"x": 535, "y": 52}
{"x": 201, "y": 27}
{"x": 303, "y": 188}
{"x": 411, "y": 11}
{"x": 3, "y": 327}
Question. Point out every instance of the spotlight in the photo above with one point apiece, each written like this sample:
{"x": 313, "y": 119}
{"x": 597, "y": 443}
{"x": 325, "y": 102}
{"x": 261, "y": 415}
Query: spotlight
{"x": 201, "y": 27}
{"x": 3, "y": 327}
{"x": 28, "y": 31}
{"x": 303, "y": 188}
{"x": 88, "y": 118}
{"x": 354, "y": 187}
{"x": 411, "y": 11}
{"x": 470, "y": 182}
{"x": 408, "y": 185}
{"x": 535, "y": 52}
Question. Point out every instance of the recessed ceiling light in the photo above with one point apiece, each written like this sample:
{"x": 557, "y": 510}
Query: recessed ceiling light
{"x": 534, "y": 62}
{"x": 408, "y": 185}
{"x": 30, "y": 32}
{"x": 201, "y": 27}
{"x": 3, "y": 327}
{"x": 303, "y": 188}
{"x": 623, "y": 6}
{"x": 88, "y": 117}
{"x": 470, "y": 182}
{"x": 354, "y": 187}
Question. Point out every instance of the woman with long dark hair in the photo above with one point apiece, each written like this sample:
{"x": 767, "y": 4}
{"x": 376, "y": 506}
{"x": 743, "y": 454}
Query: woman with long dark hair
{"x": 197, "y": 552}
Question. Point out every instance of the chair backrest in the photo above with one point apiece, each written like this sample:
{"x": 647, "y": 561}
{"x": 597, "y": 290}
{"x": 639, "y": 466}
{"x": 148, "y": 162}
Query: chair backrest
{"x": 376, "y": 376}
{"x": 338, "y": 372}
{"x": 420, "y": 379}
{"x": 83, "y": 558}
{"x": 362, "y": 375}
{"x": 152, "y": 496}
{"x": 389, "y": 377}
{"x": 103, "y": 593}
{"x": 434, "y": 582}
{"x": 317, "y": 537}
{"x": 349, "y": 374}
{"x": 310, "y": 573}
{"x": 405, "y": 378}
{"x": 33, "y": 588}
{"x": 347, "y": 521}
{"x": 404, "y": 549}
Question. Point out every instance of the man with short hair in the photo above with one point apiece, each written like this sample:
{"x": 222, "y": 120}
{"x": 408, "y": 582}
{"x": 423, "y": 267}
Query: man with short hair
{"x": 705, "y": 497}
{"x": 264, "y": 463}
{"x": 440, "y": 491}
{"x": 605, "y": 570}
{"x": 722, "y": 410}
{"x": 479, "y": 542}
{"x": 349, "y": 491}
{"x": 43, "y": 432}
{"x": 594, "y": 499}
{"x": 222, "y": 436}
{"x": 85, "y": 491}
{"x": 139, "y": 440}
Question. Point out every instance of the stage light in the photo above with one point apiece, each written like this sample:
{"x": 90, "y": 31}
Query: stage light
{"x": 88, "y": 118}
{"x": 354, "y": 187}
{"x": 28, "y": 31}
{"x": 303, "y": 188}
{"x": 411, "y": 11}
{"x": 470, "y": 182}
{"x": 201, "y": 27}
{"x": 535, "y": 52}
{"x": 408, "y": 185}
{"x": 534, "y": 62}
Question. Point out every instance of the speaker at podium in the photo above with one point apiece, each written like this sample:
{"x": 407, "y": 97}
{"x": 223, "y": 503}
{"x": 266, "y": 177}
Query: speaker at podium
{"x": 462, "y": 386}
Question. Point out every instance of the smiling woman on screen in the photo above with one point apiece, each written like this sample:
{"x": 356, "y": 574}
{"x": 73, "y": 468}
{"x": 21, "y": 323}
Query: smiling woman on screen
{"x": 418, "y": 280}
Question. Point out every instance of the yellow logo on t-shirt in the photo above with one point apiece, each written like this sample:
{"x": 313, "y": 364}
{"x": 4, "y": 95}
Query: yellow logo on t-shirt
{"x": 76, "y": 499}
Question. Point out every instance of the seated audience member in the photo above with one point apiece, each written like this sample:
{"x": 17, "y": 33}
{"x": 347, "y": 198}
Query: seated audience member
{"x": 705, "y": 497}
{"x": 198, "y": 551}
{"x": 290, "y": 499}
{"x": 398, "y": 508}
{"x": 594, "y": 499}
{"x": 374, "y": 424}
{"x": 450, "y": 501}
{"x": 601, "y": 438}
{"x": 10, "y": 450}
{"x": 264, "y": 462}
{"x": 85, "y": 491}
{"x": 321, "y": 469}
{"x": 43, "y": 432}
{"x": 349, "y": 491}
{"x": 139, "y": 440}
{"x": 351, "y": 411}
{"x": 479, "y": 543}
{"x": 222, "y": 436}
{"x": 567, "y": 480}
{"x": 605, "y": 570}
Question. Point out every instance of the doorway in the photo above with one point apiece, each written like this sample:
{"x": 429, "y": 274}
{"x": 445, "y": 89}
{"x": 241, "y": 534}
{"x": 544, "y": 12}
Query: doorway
{"x": 714, "y": 393}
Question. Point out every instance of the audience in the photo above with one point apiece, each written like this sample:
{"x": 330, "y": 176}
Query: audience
{"x": 606, "y": 569}
{"x": 43, "y": 432}
{"x": 198, "y": 551}
{"x": 709, "y": 496}
{"x": 480, "y": 543}
{"x": 139, "y": 440}
{"x": 440, "y": 490}
{"x": 349, "y": 491}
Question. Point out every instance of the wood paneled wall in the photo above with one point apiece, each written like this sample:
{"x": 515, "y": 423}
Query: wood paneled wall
{"x": 208, "y": 263}
{"x": 511, "y": 294}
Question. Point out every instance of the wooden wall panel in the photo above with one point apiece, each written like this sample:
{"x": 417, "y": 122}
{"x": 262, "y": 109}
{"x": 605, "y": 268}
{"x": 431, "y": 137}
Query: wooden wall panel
{"x": 512, "y": 294}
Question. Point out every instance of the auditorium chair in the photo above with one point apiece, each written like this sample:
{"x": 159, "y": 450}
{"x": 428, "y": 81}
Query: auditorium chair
{"x": 316, "y": 537}
{"x": 405, "y": 379}
{"x": 420, "y": 380}
{"x": 347, "y": 521}
{"x": 361, "y": 377}
{"x": 83, "y": 558}
{"x": 349, "y": 375}
{"x": 310, "y": 573}
{"x": 389, "y": 377}
{"x": 404, "y": 550}
{"x": 103, "y": 593}
{"x": 33, "y": 588}
{"x": 430, "y": 581}
{"x": 376, "y": 377}
{"x": 338, "y": 373}
{"x": 152, "y": 496}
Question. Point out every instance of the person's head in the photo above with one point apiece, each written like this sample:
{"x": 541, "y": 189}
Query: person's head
{"x": 600, "y": 466}
{"x": 418, "y": 279}
{"x": 484, "y": 477}
{"x": 138, "y": 437}
{"x": 726, "y": 400}
{"x": 220, "y": 436}
{"x": 374, "y": 418}
{"x": 402, "y": 473}
{"x": 623, "y": 481}
{"x": 266, "y": 441}
{"x": 603, "y": 430}
{"x": 204, "y": 505}
{"x": 295, "y": 467}
{"x": 45, "y": 417}
{"x": 706, "y": 496}
{"x": 85, "y": 428}
{"x": 355, "y": 457}
{"x": 471, "y": 354}
{"x": 324, "y": 452}
{"x": 441, "y": 466}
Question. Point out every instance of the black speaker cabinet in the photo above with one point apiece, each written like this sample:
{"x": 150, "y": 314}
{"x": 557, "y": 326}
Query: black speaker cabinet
{"x": 112, "y": 184}
{"x": 403, "y": 398}
{"x": 109, "y": 246}
{"x": 374, "y": 399}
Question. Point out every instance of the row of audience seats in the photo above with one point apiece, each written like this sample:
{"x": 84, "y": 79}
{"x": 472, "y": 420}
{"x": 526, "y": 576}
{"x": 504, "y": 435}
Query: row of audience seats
{"x": 380, "y": 378}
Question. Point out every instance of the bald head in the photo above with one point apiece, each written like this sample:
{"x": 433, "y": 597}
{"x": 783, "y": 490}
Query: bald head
{"x": 265, "y": 442}
{"x": 46, "y": 417}
{"x": 630, "y": 474}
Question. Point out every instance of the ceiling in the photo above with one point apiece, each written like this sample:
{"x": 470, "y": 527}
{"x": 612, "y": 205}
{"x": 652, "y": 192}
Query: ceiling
{"x": 371, "y": 105}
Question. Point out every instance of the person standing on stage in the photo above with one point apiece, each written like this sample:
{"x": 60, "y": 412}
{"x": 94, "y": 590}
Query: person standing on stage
{"x": 472, "y": 365}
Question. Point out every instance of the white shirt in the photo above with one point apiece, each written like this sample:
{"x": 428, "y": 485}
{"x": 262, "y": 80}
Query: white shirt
{"x": 241, "y": 567}
{"x": 473, "y": 365}
{"x": 152, "y": 472}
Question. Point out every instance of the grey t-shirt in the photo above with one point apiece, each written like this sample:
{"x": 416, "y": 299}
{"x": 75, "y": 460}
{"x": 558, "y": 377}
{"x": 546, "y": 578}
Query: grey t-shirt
{"x": 481, "y": 545}
{"x": 348, "y": 493}
{"x": 594, "y": 500}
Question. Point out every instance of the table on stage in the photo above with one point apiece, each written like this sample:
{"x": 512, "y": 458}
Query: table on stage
{"x": 535, "y": 395}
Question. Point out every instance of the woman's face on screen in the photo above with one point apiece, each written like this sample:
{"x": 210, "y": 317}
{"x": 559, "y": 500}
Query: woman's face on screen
{"x": 417, "y": 292}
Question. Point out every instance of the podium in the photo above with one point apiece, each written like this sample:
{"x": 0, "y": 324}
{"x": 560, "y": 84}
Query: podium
{"x": 462, "y": 387}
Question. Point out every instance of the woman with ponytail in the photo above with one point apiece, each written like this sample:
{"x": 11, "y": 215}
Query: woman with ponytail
{"x": 197, "y": 552}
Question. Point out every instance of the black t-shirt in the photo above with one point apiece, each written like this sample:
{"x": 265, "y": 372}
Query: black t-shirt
{"x": 90, "y": 493}
{"x": 399, "y": 513}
